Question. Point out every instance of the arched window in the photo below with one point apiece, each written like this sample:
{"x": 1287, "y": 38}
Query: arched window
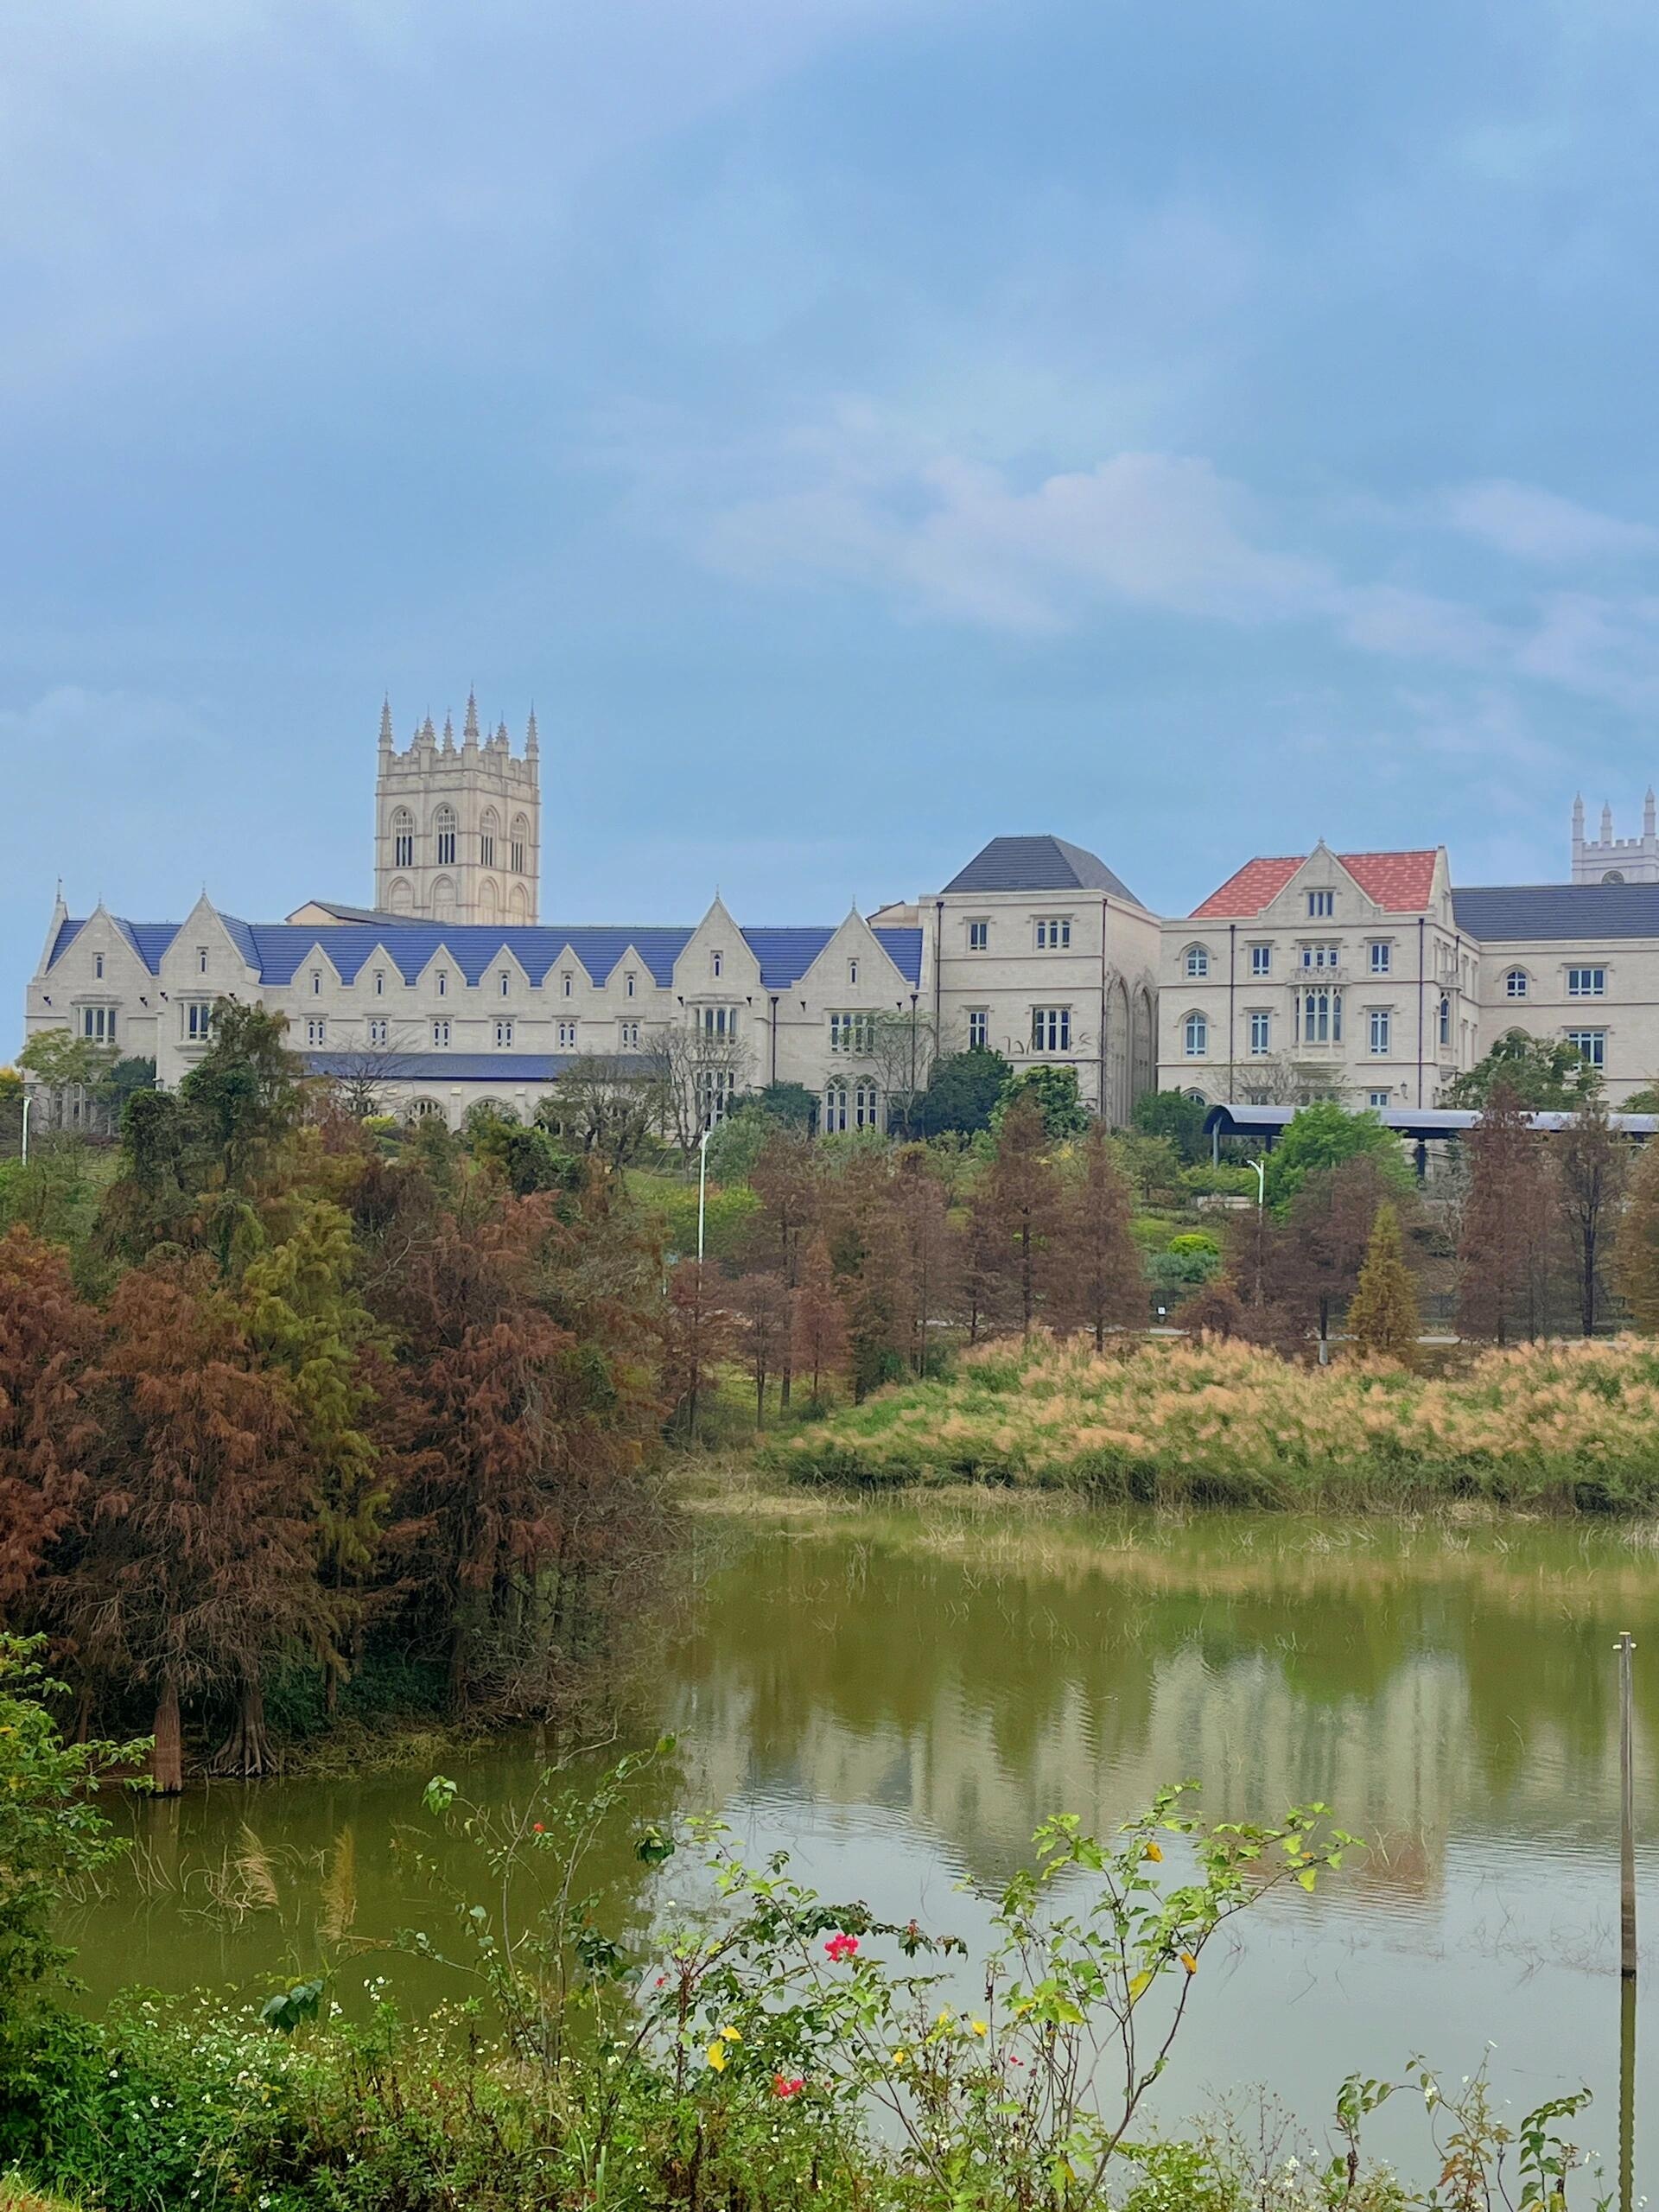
{"x": 835, "y": 1108}
{"x": 1446, "y": 1021}
{"x": 1517, "y": 983}
{"x": 1614, "y": 875}
{"x": 1197, "y": 1036}
{"x": 488, "y": 830}
{"x": 423, "y": 1110}
{"x": 443, "y": 828}
{"x": 403, "y": 838}
{"x": 520, "y": 845}
{"x": 519, "y": 904}
{"x": 444, "y": 899}
{"x": 400, "y": 898}
{"x": 1198, "y": 959}
{"x": 489, "y": 900}
{"x": 865, "y": 1105}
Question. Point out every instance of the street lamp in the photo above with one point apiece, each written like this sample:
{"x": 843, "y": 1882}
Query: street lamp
{"x": 28, "y": 1100}
{"x": 1261, "y": 1167}
{"x": 703, "y": 1183}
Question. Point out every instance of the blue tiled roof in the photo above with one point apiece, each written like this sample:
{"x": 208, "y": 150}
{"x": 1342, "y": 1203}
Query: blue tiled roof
{"x": 1588, "y": 913}
{"x": 275, "y": 950}
{"x": 1038, "y": 864}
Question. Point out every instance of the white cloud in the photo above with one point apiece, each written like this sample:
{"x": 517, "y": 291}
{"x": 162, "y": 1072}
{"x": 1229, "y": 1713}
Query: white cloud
{"x": 1537, "y": 525}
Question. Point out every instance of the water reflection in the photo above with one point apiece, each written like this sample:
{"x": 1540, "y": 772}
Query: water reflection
{"x": 900, "y": 1697}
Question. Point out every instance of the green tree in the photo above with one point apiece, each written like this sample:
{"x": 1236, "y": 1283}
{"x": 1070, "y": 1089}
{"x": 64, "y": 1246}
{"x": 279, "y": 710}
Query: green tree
{"x": 1172, "y": 1114}
{"x": 1054, "y": 1091}
{"x": 1383, "y": 1317}
{"x": 1591, "y": 1169}
{"x": 791, "y": 1103}
{"x": 1547, "y": 1076}
{"x": 963, "y": 1091}
{"x": 1324, "y": 1136}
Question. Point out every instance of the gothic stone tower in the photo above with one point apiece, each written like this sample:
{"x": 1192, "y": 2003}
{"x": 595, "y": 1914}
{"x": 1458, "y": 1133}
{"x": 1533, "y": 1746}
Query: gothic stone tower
{"x": 1608, "y": 859}
{"x": 457, "y": 829}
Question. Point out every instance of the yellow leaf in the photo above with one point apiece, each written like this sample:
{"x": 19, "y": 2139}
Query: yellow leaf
{"x": 1189, "y": 1962}
{"x": 715, "y": 2056}
{"x": 1140, "y": 1986}
{"x": 979, "y": 2028}
{"x": 1308, "y": 1876}
{"x": 1154, "y": 1851}
{"x": 730, "y": 2034}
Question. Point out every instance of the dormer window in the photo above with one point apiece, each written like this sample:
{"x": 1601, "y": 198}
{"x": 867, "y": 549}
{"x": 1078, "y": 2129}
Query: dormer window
{"x": 718, "y": 963}
{"x": 1321, "y": 905}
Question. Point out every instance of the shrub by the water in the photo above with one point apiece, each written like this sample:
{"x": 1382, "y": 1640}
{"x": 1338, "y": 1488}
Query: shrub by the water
{"x": 1559, "y": 1424}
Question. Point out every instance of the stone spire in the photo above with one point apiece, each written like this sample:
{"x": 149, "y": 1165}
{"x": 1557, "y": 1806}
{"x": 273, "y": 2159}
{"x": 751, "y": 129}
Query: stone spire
{"x": 469, "y": 735}
{"x": 532, "y": 744}
{"x": 1648, "y": 808}
{"x": 426, "y": 734}
{"x": 386, "y": 724}
{"x": 448, "y": 733}
{"x": 501, "y": 740}
{"x": 1578, "y": 814}
{"x": 1606, "y": 823}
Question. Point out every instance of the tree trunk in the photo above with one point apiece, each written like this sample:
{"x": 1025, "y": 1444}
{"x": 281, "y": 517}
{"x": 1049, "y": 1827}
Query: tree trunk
{"x": 167, "y": 1759}
{"x": 246, "y": 1753}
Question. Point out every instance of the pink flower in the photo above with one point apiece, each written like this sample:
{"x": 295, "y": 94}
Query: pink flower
{"x": 842, "y": 1946}
{"x": 787, "y": 2085}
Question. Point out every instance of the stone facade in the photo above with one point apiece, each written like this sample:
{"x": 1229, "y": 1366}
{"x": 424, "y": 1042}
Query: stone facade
{"x": 457, "y": 829}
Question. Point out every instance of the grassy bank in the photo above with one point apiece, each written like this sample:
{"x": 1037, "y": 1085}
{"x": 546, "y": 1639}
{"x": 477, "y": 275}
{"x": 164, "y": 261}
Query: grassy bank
{"x": 1572, "y": 1426}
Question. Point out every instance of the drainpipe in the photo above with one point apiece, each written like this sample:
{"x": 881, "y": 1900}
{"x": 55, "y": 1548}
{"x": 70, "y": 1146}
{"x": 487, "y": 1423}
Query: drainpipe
{"x": 774, "y": 1038}
{"x": 1100, "y": 1092}
{"x": 1232, "y": 993}
{"x": 1419, "y": 1012}
{"x": 938, "y": 932}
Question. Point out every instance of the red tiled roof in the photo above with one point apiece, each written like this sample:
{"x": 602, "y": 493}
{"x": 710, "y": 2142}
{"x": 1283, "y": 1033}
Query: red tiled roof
{"x": 1399, "y": 882}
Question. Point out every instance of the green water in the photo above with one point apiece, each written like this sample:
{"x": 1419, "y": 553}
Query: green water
{"x": 898, "y": 1697}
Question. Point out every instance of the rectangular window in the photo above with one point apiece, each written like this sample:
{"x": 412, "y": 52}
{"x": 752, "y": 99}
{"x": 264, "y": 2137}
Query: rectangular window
{"x": 1380, "y": 1100}
{"x": 567, "y": 1036}
{"x": 1324, "y": 956}
{"x": 979, "y": 935}
{"x": 852, "y": 1033}
{"x": 316, "y": 1030}
{"x": 1382, "y": 957}
{"x": 1587, "y": 982}
{"x": 503, "y": 1034}
{"x": 715, "y": 1020}
{"x": 516, "y": 856}
{"x": 1591, "y": 1044}
{"x": 979, "y": 1028}
{"x": 440, "y": 1032}
{"x": 1054, "y": 935}
{"x": 1050, "y": 1029}
{"x": 1260, "y": 1032}
{"x": 98, "y": 1023}
{"x": 1318, "y": 1017}
{"x": 377, "y": 1031}
{"x": 1321, "y": 905}
{"x": 1261, "y": 960}
{"x": 198, "y": 1020}
{"x": 1381, "y": 1026}
{"x": 403, "y": 849}
{"x": 1196, "y": 1036}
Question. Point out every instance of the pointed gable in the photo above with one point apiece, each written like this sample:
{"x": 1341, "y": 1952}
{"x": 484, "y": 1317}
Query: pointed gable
{"x": 717, "y": 942}
{"x": 854, "y": 941}
{"x": 1400, "y": 883}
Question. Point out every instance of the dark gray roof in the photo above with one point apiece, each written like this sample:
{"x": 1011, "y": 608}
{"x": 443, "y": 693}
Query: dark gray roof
{"x": 1270, "y": 1121}
{"x": 356, "y": 913}
{"x": 1586, "y": 912}
{"x": 1038, "y": 864}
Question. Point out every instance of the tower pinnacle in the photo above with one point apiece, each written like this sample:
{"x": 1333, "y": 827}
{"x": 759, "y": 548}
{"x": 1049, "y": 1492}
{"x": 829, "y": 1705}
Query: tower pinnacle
{"x": 386, "y": 723}
{"x": 469, "y": 735}
{"x": 532, "y": 744}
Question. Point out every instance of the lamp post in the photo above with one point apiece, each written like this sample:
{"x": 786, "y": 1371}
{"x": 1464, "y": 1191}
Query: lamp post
{"x": 703, "y": 1183}
{"x": 28, "y": 1100}
{"x": 1261, "y": 1167}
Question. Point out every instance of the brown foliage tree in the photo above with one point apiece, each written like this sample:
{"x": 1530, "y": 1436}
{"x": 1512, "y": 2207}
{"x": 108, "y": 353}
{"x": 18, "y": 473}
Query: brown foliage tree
{"x": 1592, "y": 1169}
{"x": 819, "y": 1321}
{"x": 1636, "y": 1256}
{"x": 1015, "y": 1213}
{"x": 761, "y": 1302}
{"x": 198, "y": 1564}
{"x": 1312, "y": 1260}
{"x": 697, "y": 1334}
{"x": 785, "y": 1178}
{"x": 929, "y": 1286}
{"x": 48, "y": 1435}
{"x": 1099, "y": 1279}
{"x": 1214, "y": 1310}
{"x": 1503, "y": 1253}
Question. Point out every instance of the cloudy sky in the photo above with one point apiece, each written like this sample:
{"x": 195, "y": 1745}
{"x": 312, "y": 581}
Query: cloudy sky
{"x": 860, "y": 427}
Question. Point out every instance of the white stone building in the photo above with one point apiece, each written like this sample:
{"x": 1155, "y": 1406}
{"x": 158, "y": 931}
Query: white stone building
{"x": 449, "y": 991}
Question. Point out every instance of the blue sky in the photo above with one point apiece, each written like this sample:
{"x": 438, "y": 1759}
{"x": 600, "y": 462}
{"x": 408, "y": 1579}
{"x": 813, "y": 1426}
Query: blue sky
{"x": 860, "y": 426}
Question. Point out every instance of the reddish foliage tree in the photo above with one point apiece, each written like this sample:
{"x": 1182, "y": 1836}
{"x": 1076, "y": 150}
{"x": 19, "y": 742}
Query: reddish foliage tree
{"x": 198, "y": 1564}
{"x": 785, "y": 1179}
{"x": 762, "y": 1304}
{"x": 1016, "y": 1211}
{"x": 1099, "y": 1279}
{"x": 1503, "y": 1253}
{"x": 697, "y": 1334}
{"x": 819, "y": 1321}
{"x": 48, "y": 1435}
{"x": 930, "y": 1285}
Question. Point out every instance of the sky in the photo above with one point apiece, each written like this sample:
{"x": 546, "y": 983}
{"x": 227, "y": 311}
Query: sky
{"x": 860, "y": 427}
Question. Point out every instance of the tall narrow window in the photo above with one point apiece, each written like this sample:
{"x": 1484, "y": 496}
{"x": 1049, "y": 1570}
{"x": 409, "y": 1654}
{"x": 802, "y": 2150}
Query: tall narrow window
{"x": 519, "y": 844}
{"x": 316, "y": 1030}
{"x": 1260, "y": 1032}
{"x": 627, "y": 987}
{"x": 567, "y": 1036}
{"x": 1382, "y": 956}
{"x": 201, "y": 960}
{"x": 379, "y": 983}
{"x": 403, "y": 839}
{"x": 1196, "y": 1036}
{"x": 719, "y": 963}
{"x": 316, "y": 982}
{"x": 487, "y": 835}
{"x": 1261, "y": 960}
{"x": 198, "y": 1020}
{"x": 504, "y": 1033}
{"x": 98, "y": 966}
{"x": 569, "y": 983}
{"x": 979, "y": 1028}
{"x": 1446, "y": 1021}
{"x": 440, "y": 1033}
{"x": 443, "y": 983}
{"x": 443, "y": 823}
{"x": 835, "y": 1108}
{"x": 979, "y": 935}
{"x": 378, "y": 1034}
{"x": 864, "y": 1106}
{"x": 852, "y": 971}
{"x": 506, "y": 986}
{"x": 1381, "y": 1027}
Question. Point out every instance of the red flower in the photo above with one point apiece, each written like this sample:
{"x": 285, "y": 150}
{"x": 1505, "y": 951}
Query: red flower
{"x": 842, "y": 1946}
{"x": 787, "y": 2085}
{"x": 537, "y": 1829}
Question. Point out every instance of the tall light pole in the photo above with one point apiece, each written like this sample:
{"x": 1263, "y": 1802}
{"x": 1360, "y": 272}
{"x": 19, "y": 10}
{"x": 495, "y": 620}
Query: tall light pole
{"x": 1261, "y": 1167}
{"x": 28, "y": 1100}
{"x": 702, "y": 1184}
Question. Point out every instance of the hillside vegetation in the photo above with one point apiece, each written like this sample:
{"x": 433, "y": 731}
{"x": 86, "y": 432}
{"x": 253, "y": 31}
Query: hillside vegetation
{"x": 1571, "y": 1425}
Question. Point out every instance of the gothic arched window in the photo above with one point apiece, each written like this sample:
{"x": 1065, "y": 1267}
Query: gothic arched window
{"x": 443, "y": 827}
{"x": 519, "y": 904}
{"x": 864, "y": 1106}
{"x": 444, "y": 899}
{"x": 520, "y": 845}
{"x": 403, "y": 838}
{"x": 1197, "y": 1036}
{"x": 400, "y": 899}
{"x": 835, "y": 1108}
{"x": 489, "y": 830}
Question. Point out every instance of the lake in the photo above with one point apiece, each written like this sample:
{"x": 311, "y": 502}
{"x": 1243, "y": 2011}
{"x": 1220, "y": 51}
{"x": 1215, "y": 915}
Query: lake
{"x": 897, "y": 1695}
